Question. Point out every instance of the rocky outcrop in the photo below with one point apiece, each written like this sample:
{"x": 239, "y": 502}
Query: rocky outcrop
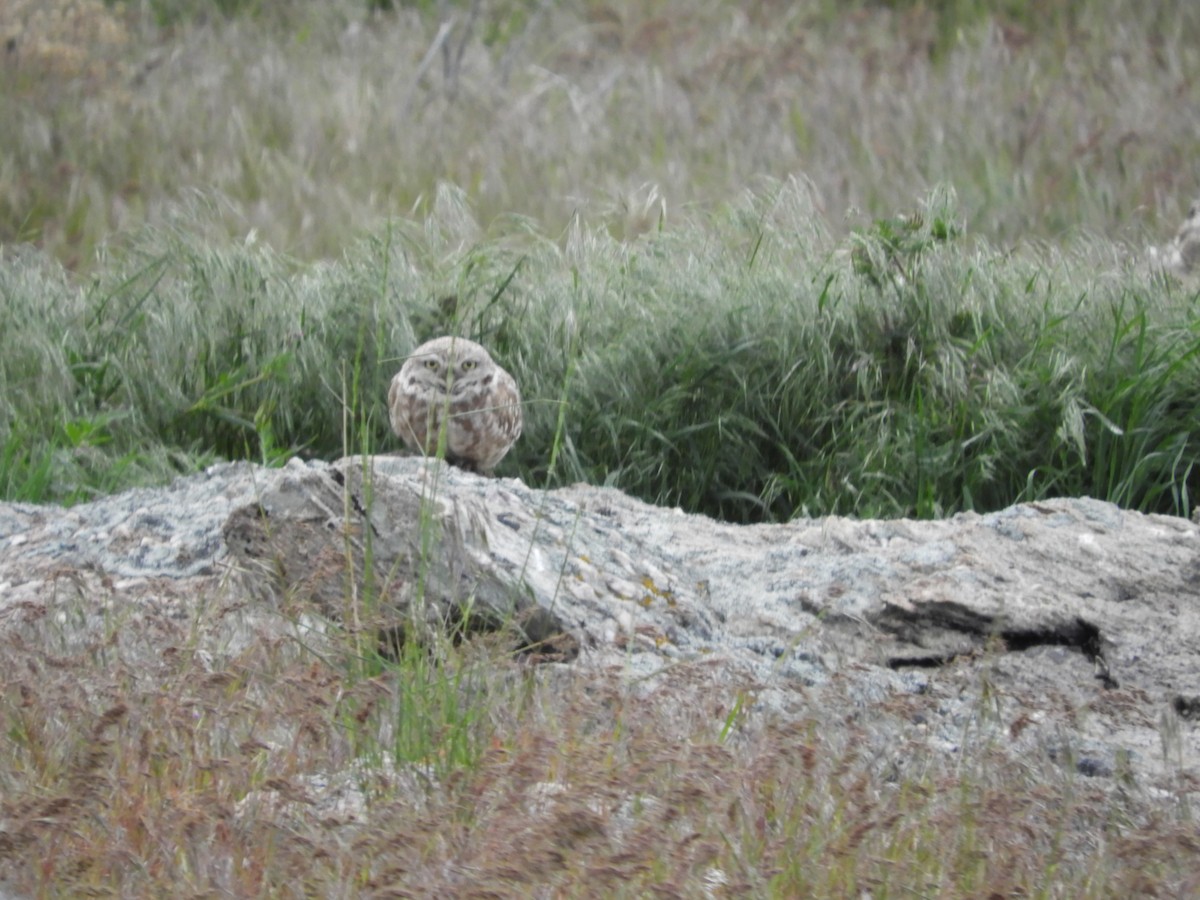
{"x": 1075, "y": 623}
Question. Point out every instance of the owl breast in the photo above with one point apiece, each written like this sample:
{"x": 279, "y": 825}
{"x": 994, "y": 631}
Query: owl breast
{"x": 479, "y": 411}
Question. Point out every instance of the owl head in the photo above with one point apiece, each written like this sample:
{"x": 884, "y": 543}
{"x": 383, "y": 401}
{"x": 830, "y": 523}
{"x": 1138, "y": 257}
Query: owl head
{"x": 451, "y": 387}
{"x": 449, "y": 365}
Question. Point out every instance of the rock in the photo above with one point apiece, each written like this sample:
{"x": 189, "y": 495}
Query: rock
{"x": 385, "y": 557}
{"x": 1066, "y": 628}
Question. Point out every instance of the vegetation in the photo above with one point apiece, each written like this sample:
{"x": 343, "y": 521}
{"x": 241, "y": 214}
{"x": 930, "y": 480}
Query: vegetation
{"x": 714, "y": 348}
{"x": 252, "y": 774}
{"x": 306, "y": 122}
{"x": 749, "y": 366}
{"x": 757, "y": 260}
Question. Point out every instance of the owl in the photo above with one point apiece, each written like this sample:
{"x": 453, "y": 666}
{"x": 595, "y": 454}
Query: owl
{"x": 452, "y": 383}
{"x": 1186, "y": 256}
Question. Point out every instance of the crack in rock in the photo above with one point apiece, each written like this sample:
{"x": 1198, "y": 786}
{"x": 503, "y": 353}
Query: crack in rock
{"x": 953, "y": 630}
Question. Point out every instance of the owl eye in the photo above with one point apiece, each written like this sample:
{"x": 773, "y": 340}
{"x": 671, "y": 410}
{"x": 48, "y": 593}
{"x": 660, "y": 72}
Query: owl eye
{"x": 431, "y": 364}
{"x": 468, "y": 365}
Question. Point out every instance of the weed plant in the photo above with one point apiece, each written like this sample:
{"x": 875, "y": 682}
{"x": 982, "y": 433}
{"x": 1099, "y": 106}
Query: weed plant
{"x": 750, "y": 366}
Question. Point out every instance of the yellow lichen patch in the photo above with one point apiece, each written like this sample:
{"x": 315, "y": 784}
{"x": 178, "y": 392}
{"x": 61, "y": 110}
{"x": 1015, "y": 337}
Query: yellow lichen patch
{"x": 655, "y": 591}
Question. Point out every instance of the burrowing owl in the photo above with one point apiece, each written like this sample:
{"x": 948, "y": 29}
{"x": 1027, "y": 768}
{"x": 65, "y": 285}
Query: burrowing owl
{"x": 1186, "y": 255}
{"x": 455, "y": 382}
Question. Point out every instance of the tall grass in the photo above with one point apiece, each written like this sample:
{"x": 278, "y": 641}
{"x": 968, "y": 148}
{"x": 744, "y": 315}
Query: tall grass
{"x": 749, "y": 365}
{"x": 315, "y": 120}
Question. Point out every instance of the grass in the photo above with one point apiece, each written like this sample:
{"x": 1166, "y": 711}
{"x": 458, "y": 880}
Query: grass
{"x": 312, "y": 121}
{"x": 134, "y": 772}
{"x": 751, "y": 366}
{"x": 806, "y": 346}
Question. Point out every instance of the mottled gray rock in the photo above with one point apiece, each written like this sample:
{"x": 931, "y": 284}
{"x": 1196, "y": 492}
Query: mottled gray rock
{"x": 1068, "y": 629}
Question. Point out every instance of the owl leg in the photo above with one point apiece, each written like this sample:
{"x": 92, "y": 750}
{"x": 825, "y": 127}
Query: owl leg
{"x": 468, "y": 465}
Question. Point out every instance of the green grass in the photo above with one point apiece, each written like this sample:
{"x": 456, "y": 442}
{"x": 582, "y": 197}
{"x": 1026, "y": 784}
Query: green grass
{"x": 241, "y": 279}
{"x": 750, "y": 366}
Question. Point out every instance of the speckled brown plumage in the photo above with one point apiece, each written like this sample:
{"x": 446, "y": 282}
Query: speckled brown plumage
{"x": 454, "y": 382}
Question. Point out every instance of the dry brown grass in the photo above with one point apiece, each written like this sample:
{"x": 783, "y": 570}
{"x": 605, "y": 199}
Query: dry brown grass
{"x": 143, "y": 766}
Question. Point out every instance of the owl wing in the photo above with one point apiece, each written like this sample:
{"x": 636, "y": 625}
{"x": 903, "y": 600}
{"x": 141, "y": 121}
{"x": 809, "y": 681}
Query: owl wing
{"x": 394, "y": 399}
{"x": 507, "y": 401}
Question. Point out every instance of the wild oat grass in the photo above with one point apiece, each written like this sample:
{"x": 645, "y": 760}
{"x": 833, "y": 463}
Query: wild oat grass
{"x": 317, "y": 120}
{"x": 750, "y": 366}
